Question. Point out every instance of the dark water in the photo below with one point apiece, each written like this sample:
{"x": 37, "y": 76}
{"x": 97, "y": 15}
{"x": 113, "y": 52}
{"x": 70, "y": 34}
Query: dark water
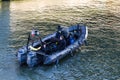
{"x": 100, "y": 60}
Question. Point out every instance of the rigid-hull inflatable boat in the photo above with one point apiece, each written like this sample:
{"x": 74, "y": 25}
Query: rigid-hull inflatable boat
{"x": 33, "y": 57}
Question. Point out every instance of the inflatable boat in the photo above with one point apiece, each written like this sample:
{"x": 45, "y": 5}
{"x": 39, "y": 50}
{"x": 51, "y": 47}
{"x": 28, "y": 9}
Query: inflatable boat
{"x": 73, "y": 37}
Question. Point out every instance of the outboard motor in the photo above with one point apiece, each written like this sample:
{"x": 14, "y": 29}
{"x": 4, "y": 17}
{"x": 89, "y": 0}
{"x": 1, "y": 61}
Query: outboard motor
{"x": 32, "y": 59}
{"x": 22, "y": 55}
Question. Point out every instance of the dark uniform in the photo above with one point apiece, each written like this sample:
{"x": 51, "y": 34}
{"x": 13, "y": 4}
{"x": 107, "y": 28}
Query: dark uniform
{"x": 45, "y": 48}
{"x": 61, "y": 43}
{"x": 59, "y": 32}
{"x": 71, "y": 39}
{"x": 77, "y": 33}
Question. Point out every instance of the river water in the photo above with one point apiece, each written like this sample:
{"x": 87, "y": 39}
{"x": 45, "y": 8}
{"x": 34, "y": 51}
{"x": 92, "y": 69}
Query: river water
{"x": 100, "y": 60}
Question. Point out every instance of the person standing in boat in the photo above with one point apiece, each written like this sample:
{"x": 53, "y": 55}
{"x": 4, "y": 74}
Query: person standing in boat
{"x": 77, "y": 32}
{"x": 59, "y": 32}
{"x": 33, "y": 37}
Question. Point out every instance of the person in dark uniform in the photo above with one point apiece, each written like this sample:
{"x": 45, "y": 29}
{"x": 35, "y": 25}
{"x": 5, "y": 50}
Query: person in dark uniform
{"x": 45, "y": 48}
{"x": 71, "y": 39}
{"x": 59, "y": 32}
{"x": 77, "y": 32}
{"x": 61, "y": 43}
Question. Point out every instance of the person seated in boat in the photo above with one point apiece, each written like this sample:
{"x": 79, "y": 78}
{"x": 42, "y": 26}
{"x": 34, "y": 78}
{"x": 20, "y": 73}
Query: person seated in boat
{"x": 58, "y": 40}
{"x": 57, "y": 36}
{"x": 45, "y": 48}
{"x": 61, "y": 43}
{"x": 71, "y": 39}
{"x": 61, "y": 32}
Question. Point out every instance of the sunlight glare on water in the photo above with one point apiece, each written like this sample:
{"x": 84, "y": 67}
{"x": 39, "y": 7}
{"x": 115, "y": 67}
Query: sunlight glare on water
{"x": 33, "y": 5}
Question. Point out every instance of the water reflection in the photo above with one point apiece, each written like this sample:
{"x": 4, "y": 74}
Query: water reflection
{"x": 6, "y": 67}
{"x": 4, "y": 23}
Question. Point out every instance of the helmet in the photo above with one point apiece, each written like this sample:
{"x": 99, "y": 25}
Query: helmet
{"x": 34, "y": 33}
{"x": 59, "y": 28}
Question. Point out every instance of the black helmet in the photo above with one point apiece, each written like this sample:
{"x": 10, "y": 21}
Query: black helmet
{"x": 59, "y": 28}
